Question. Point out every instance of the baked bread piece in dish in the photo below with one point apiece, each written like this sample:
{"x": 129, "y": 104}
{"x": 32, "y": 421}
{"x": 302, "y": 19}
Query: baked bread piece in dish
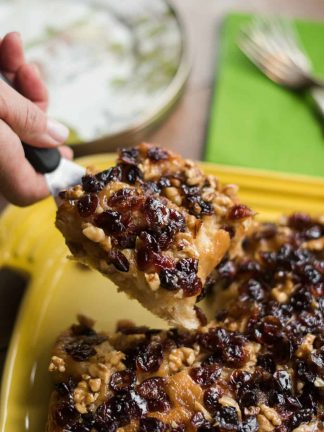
{"x": 156, "y": 226}
{"x": 259, "y": 366}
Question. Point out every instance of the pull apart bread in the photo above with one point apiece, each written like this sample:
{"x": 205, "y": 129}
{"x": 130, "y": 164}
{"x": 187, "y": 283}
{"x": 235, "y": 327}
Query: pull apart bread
{"x": 156, "y": 226}
{"x": 258, "y": 367}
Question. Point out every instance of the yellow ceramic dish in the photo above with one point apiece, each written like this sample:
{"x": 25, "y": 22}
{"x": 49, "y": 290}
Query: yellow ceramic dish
{"x": 58, "y": 289}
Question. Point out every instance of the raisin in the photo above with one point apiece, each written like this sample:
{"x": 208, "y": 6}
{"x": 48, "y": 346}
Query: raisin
{"x": 122, "y": 380}
{"x": 91, "y": 184}
{"x": 125, "y": 199}
{"x": 87, "y": 205}
{"x": 249, "y": 424}
{"x": 198, "y": 420}
{"x": 118, "y": 259}
{"x": 65, "y": 388}
{"x": 110, "y": 222}
{"x": 252, "y": 289}
{"x": 153, "y": 391}
{"x": 65, "y": 414}
{"x": 301, "y": 416}
{"x": 129, "y": 156}
{"x": 211, "y": 397}
{"x": 282, "y": 378}
{"x": 125, "y": 406}
{"x": 267, "y": 362}
{"x": 205, "y": 375}
{"x": 227, "y": 269}
{"x": 239, "y": 211}
{"x": 103, "y": 418}
{"x": 164, "y": 182}
{"x": 131, "y": 173}
{"x": 150, "y": 424}
{"x": 111, "y": 174}
{"x": 156, "y": 213}
{"x": 299, "y": 221}
{"x": 80, "y": 350}
{"x": 150, "y": 357}
{"x": 156, "y": 154}
{"x": 182, "y": 277}
{"x": 227, "y": 417}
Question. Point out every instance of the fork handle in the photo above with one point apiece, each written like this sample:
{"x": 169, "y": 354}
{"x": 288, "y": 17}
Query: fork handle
{"x": 318, "y": 97}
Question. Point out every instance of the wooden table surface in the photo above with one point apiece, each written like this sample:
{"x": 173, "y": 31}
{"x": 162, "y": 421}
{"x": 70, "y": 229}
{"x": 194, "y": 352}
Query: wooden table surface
{"x": 184, "y": 130}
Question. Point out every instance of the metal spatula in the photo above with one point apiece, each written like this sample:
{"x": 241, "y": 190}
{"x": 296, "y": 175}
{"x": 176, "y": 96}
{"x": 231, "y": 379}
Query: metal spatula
{"x": 59, "y": 173}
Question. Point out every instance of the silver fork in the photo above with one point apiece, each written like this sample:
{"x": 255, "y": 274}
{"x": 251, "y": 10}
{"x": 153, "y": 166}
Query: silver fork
{"x": 274, "y": 47}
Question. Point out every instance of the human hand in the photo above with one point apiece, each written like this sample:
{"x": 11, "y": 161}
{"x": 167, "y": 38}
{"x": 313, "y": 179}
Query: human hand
{"x": 23, "y": 118}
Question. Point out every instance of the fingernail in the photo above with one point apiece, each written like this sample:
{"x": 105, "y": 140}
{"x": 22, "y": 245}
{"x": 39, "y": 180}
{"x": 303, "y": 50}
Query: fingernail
{"x": 35, "y": 69}
{"x": 58, "y": 131}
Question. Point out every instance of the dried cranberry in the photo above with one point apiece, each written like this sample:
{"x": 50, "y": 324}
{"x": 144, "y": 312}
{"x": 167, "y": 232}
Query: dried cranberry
{"x": 118, "y": 259}
{"x": 87, "y": 205}
{"x": 122, "y": 380}
{"x": 155, "y": 154}
{"x": 150, "y": 357}
{"x": 205, "y": 375}
{"x": 65, "y": 414}
{"x": 153, "y": 391}
{"x": 150, "y": 424}
{"x": 129, "y": 156}
{"x": 239, "y": 211}
{"x": 80, "y": 350}
{"x": 110, "y": 222}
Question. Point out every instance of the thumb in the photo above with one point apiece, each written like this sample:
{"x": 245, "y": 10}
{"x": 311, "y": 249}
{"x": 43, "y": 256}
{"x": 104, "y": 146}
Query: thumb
{"x": 28, "y": 121}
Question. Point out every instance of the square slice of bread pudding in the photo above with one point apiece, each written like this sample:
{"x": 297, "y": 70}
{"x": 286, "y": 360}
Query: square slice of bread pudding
{"x": 156, "y": 225}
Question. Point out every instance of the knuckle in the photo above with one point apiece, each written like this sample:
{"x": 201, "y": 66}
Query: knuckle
{"x": 30, "y": 120}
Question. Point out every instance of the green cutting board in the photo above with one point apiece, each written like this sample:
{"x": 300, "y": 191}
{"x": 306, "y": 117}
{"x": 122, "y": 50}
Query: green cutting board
{"x": 257, "y": 124}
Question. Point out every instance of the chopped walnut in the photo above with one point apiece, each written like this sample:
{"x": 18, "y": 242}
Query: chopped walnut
{"x": 306, "y": 346}
{"x": 264, "y": 423}
{"x": 182, "y": 357}
{"x": 93, "y": 233}
{"x": 271, "y": 414}
{"x": 56, "y": 364}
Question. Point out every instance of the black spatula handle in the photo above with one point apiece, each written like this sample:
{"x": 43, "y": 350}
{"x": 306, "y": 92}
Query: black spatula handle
{"x": 43, "y": 160}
